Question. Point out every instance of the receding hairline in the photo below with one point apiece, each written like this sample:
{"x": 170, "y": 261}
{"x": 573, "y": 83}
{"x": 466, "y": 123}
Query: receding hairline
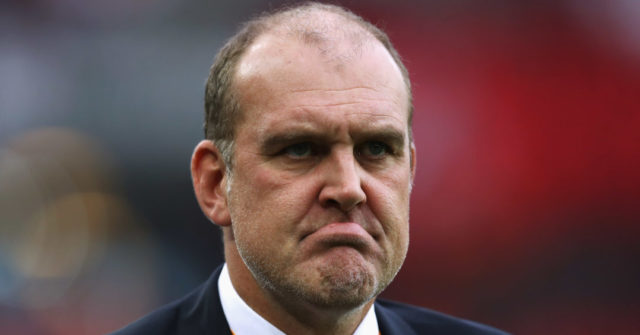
{"x": 324, "y": 27}
{"x": 317, "y": 24}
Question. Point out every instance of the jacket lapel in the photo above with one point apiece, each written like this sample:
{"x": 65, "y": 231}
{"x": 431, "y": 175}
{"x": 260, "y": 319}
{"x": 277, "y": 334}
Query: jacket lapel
{"x": 205, "y": 315}
{"x": 390, "y": 323}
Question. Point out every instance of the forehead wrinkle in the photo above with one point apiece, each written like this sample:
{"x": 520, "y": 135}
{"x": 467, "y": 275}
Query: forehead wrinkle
{"x": 304, "y": 120}
{"x": 336, "y": 93}
{"x": 337, "y": 104}
{"x": 377, "y": 119}
{"x": 346, "y": 89}
{"x": 387, "y": 95}
{"x": 324, "y": 94}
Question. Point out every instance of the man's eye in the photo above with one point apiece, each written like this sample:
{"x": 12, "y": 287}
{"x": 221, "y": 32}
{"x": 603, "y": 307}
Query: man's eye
{"x": 299, "y": 150}
{"x": 375, "y": 149}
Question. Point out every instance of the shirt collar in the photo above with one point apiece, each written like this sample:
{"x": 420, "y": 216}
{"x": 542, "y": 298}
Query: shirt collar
{"x": 245, "y": 321}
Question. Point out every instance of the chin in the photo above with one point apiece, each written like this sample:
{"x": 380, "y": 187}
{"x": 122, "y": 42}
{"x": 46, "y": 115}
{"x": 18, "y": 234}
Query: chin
{"x": 347, "y": 286}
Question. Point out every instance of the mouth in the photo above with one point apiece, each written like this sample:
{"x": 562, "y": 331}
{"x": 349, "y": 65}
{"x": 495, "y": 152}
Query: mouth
{"x": 339, "y": 234}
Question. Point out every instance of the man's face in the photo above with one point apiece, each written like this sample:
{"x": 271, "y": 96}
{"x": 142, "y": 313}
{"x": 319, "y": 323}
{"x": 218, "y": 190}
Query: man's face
{"x": 319, "y": 197}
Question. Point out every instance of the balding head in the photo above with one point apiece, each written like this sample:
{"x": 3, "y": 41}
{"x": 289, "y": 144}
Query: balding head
{"x": 338, "y": 34}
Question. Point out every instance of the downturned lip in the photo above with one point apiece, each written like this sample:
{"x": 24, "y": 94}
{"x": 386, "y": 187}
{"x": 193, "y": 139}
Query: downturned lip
{"x": 340, "y": 234}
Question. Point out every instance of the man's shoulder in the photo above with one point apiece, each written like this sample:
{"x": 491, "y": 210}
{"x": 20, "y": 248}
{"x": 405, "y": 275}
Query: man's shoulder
{"x": 394, "y": 317}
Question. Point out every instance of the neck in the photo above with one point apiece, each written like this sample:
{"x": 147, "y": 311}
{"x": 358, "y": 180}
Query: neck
{"x": 289, "y": 315}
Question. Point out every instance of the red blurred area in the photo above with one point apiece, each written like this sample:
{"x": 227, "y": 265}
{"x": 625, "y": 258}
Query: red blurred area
{"x": 526, "y": 206}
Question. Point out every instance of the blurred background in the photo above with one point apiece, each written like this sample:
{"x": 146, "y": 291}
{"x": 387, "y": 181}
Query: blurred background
{"x": 526, "y": 209}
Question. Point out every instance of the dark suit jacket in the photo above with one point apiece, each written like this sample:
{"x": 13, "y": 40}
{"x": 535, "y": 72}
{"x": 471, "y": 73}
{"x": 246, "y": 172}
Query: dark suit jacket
{"x": 200, "y": 312}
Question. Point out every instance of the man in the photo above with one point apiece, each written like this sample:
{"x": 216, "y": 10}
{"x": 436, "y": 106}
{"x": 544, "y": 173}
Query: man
{"x": 307, "y": 168}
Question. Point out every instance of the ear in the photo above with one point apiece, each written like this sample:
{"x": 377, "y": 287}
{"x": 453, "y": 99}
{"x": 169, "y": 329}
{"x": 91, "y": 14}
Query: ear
{"x": 208, "y": 173}
{"x": 412, "y": 149}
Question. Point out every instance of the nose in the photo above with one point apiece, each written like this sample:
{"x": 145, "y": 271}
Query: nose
{"x": 342, "y": 183}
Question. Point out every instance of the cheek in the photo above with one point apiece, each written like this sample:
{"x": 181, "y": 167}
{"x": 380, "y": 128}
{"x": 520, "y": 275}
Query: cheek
{"x": 256, "y": 188}
{"x": 393, "y": 212}
{"x": 269, "y": 203}
{"x": 391, "y": 192}
{"x": 281, "y": 196}
{"x": 389, "y": 202}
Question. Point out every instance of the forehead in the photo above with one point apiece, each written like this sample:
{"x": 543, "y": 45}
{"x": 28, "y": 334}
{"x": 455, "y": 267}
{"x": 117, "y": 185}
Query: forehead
{"x": 277, "y": 70}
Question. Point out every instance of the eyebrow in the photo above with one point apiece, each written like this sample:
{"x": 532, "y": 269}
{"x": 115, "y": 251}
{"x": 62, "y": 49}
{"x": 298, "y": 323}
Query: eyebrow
{"x": 387, "y": 135}
{"x": 276, "y": 141}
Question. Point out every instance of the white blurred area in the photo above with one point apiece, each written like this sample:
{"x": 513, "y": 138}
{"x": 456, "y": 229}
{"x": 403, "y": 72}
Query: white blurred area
{"x": 615, "y": 23}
